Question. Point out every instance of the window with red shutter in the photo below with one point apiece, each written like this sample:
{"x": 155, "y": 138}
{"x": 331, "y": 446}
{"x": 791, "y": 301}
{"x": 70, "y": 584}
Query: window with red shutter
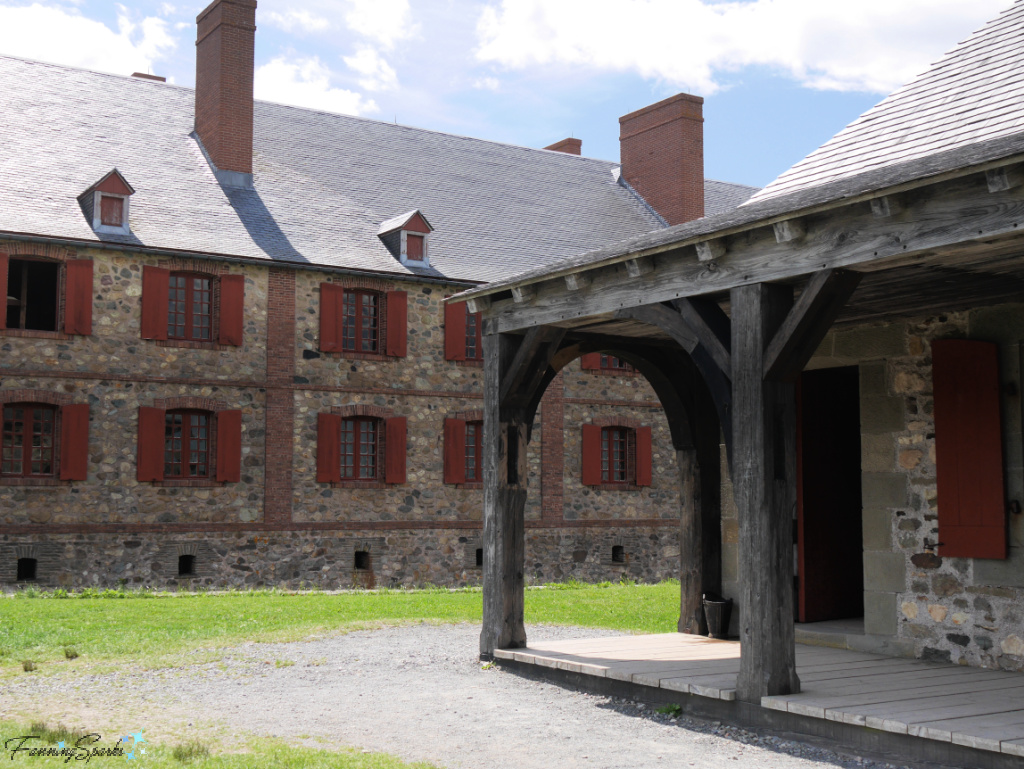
{"x": 969, "y": 449}
{"x": 328, "y": 448}
{"x": 187, "y": 439}
{"x": 591, "y": 361}
{"x": 32, "y": 294}
{"x": 78, "y": 297}
{"x": 455, "y": 332}
{"x": 398, "y": 323}
{"x": 474, "y": 451}
{"x": 591, "y": 455}
{"x": 360, "y": 321}
{"x": 394, "y": 450}
{"x": 474, "y": 342}
{"x": 616, "y": 455}
{"x": 454, "y": 451}
{"x": 615, "y": 464}
{"x": 155, "y": 302}
{"x": 190, "y": 307}
{"x": 228, "y": 427}
{"x": 360, "y": 440}
{"x": 28, "y": 447}
{"x": 232, "y": 309}
{"x": 74, "y": 442}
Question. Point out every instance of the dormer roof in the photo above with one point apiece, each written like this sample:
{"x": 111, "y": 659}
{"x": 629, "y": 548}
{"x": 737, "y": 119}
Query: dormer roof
{"x": 112, "y": 183}
{"x": 410, "y": 220}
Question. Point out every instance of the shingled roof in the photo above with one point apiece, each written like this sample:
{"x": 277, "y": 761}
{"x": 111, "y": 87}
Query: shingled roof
{"x": 974, "y": 93}
{"x": 323, "y": 182}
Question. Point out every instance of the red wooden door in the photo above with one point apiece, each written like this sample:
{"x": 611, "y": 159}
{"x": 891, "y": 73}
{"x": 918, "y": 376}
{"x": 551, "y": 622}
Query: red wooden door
{"x": 830, "y": 567}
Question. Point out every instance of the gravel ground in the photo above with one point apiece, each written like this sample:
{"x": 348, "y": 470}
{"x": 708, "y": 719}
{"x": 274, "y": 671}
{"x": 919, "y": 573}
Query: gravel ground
{"x": 420, "y": 693}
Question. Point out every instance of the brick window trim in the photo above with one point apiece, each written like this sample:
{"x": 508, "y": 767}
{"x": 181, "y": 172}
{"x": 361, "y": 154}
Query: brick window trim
{"x": 356, "y": 410}
{"x": 354, "y": 355}
{"x": 47, "y": 397}
{"x": 612, "y": 372}
{"x": 628, "y": 486}
{"x": 28, "y": 333}
{"x": 631, "y": 422}
{"x": 470, "y": 485}
{"x": 474, "y": 363}
{"x": 190, "y": 402}
{"x": 476, "y": 415}
{"x": 193, "y": 344}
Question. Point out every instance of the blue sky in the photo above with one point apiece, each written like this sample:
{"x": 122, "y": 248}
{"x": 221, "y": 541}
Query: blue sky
{"x": 779, "y": 77}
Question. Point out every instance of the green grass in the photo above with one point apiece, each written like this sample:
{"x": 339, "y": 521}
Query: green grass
{"x": 193, "y": 753}
{"x": 158, "y": 629}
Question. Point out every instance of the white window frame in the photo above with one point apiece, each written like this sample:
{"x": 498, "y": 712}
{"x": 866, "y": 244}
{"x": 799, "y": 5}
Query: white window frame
{"x": 97, "y": 220}
{"x": 404, "y": 254}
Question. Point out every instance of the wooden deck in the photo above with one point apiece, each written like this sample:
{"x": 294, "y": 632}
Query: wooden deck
{"x": 982, "y": 709}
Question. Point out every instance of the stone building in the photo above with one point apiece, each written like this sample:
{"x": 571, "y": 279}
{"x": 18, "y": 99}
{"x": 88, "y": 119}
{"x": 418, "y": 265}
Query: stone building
{"x": 858, "y": 327}
{"x": 226, "y": 357}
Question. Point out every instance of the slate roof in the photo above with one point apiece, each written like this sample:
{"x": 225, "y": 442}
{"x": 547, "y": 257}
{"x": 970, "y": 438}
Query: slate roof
{"x": 973, "y": 94}
{"x": 324, "y": 183}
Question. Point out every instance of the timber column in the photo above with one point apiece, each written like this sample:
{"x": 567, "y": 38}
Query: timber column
{"x": 764, "y": 479}
{"x": 504, "y": 466}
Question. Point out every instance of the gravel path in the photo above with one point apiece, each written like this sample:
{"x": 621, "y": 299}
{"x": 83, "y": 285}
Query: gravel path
{"x": 420, "y": 693}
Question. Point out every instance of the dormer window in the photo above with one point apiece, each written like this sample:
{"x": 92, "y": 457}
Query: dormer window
{"x": 105, "y": 204}
{"x": 407, "y": 238}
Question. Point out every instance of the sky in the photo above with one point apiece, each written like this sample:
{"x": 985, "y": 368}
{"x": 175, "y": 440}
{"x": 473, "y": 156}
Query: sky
{"x": 779, "y": 77}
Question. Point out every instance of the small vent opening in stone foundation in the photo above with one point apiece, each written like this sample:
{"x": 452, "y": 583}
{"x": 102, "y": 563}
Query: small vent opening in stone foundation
{"x": 362, "y": 560}
{"x": 479, "y": 557}
{"x": 186, "y": 565}
{"x": 27, "y": 569}
{"x": 618, "y": 554}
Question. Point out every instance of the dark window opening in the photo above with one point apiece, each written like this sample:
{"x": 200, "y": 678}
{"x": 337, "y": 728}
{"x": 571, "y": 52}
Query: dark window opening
{"x": 618, "y": 554}
{"x": 360, "y": 447}
{"x": 186, "y": 565}
{"x": 32, "y": 294}
{"x": 414, "y": 247}
{"x": 474, "y": 344}
{"x": 190, "y": 308}
{"x": 362, "y": 560}
{"x": 474, "y": 446}
{"x": 111, "y": 211}
{"x": 27, "y": 569}
{"x": 617, "y": 455}
{"x": 359, "y": 321}
{"x": 611, "y": 363}
{"x": 28, "y": 442}
{"x": 187, "y": 444}
{"x": 479, "y": 557}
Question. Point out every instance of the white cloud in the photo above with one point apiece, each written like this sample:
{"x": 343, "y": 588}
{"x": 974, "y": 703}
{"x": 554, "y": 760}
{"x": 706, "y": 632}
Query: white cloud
{"x": 298, "y": 21}
{"x": 383, "y": 21}
{"x": 871, "y": 45}
{"x": 487, "y": 84}
{"x": 377, "y": 74}
{"x": 65, "y": 37}
{"x": 306, "y": 82}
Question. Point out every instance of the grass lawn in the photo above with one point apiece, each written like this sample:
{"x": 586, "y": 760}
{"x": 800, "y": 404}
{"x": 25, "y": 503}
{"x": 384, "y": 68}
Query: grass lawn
{"x": 156, "y": 630}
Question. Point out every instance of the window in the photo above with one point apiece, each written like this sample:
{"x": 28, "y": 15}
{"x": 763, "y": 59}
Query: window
{"x": 27, "y": 568}
{"x": 462, "y": 333}
{"x": 361, "y": 562}
{"x": 111, "y": 211}
{"x": 479, "y": 557}
{"x": 359, "y": 325}
{"x": 407, "y": 237}
{"x": 616, "y": 456}
{"x": 414, "y": 249}
{"x": 187, "y": 444}
{"x": 186, "y": 565}
{"x": 29, "y": 432}
{"x": 360, "y": 441}
{"x": 106, "y": 204}
{"x": 32, "y": 294}
{"x": 190, "y": 307}
{"x": 618, "y": 554}
{"x": 611, "y": 363}
{"x": 474, "y": 449}
{"x": 616, "y": 450}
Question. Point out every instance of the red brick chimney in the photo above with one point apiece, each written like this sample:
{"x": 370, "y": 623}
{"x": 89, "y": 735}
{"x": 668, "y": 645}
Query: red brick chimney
{"x": 662, "y": 149}
{"x": 225, "y": 49}
{"x": 568, "y": 146}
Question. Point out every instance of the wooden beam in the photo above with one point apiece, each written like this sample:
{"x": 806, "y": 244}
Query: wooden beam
{"x": 668, "y": 320}
{"x": 807, "y": 323}
{"x": 504, "y": 470}
{"x": 691, "y": 538}
{"x": 709, "y": 250}
{"x": 764, "y": 483}
{"x": 711, "y": 326}
{"x": 577, "y": 281}
{"x": 1003, "y": 179}
{"x": 789, "y": 230}
{"x": 479, "y": 304}
{"x": 521, "y": 294}
{"x": 885, "y": 206}
{"x": 533, "y": 353}
{"x": 637, "y": 267}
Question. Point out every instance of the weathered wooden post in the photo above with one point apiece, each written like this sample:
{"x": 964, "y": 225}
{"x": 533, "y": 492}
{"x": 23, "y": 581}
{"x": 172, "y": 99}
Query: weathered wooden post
{"x": 504, "y": 468}
{"x": 691, "y": 550}
{"x": 764, "y": 479}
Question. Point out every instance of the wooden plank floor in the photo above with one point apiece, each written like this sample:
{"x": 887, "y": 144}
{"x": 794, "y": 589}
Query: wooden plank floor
{"x": 981, "y": 709}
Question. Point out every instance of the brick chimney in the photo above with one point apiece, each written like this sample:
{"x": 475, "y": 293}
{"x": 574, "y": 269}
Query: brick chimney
{"x": 225, "y": 50}
{"x": 568, "y": 146}
{"x": 662, "y": 155}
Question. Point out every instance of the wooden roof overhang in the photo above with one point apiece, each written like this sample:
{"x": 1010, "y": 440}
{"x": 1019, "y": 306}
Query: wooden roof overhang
{"x": 942, "y": 233}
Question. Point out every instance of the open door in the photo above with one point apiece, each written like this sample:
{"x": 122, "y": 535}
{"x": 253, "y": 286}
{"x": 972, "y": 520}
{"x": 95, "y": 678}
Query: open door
{"x": 830, "y": 565}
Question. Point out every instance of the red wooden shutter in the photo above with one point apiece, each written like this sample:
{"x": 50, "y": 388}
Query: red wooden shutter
{"x": 331, "y": 296}
{"x": 455, "y": 332}
{"x": 232, "y": 309}
{"x": 150, "y": 462}
{"x": 643, "y": 456}
{"x": 591, "y": 455}
{"x": 328, "y": 448}
{"x": 229, "y": 446}
{"x": 591, "y": 361}
{"x": 78, "y": 297}
{"x": 454, "y": 451}
{"x": 74, "y": 442}
{"x": 398, "y": 322}
{"x": 3, "y": 288}
{"x": 394, "y": 450}
{"x": 156, "y": 287}
{"x": 968, "y": 449}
